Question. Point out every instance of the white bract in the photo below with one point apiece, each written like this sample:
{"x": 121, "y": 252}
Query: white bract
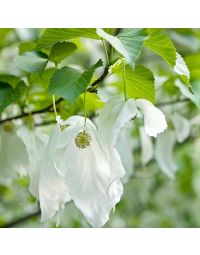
{"x": 125, "y": 148}
{"x": 118, "y": 112}
{"x": 182, "y": 127}
{"x": 35, "y": 143}
{"x": 154, "y": 119}
{"x": 180, "y": 66}
{"x": 13, "y": 156}
{"x": 164, "y": 152}
{"x": 78, "y": 165}
{"x": 147, "y": 151}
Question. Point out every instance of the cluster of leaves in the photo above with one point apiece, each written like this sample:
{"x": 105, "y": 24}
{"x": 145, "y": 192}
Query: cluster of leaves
{"x": 63, "y": 63}
{"x": 41, "y": 58}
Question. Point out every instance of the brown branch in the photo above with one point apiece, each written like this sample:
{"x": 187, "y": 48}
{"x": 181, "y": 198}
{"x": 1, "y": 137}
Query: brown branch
{"x": 172, "y": 102}
{"x": 20, "y": 220}
{"x": 46, "y": 109}
{"x": 91, "y": 89}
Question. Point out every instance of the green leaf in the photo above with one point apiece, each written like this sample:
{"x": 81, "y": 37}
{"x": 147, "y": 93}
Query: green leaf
{"x": 10, "y": 79}
{"x": 93, "y": 101}
{"x": 196, "y": 90}
{"x": 159, "y": 42}
{"x": 61, "y": 50}
{"x": 4, "y": 32}
{"x": 9, "y": 95}
{"x": 129, "y": 43}
{"x": 31, "y": 62}
{"x": 182, "y": 70}
{"x": 169, "y": 87}
{"x": 193, "y": 63}
{"x": 193, "y": 96}
{"x": 54, "y": 35}
{"x": 69, "y": 82}
{"x": 26, "y": 46}
{"x": 139, "y": 81}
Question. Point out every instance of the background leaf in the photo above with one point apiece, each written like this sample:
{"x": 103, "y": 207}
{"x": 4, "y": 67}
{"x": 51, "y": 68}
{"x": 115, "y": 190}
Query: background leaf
{"x": 61, "y": 50}
{"x": 26, "y": 46}
{"x": 54, "y": 35}
{"x": 31, "y": 62}
{"x": 10, "y": 79}
{"x": 9, "y": 95}
{"x": 193, "y": 63}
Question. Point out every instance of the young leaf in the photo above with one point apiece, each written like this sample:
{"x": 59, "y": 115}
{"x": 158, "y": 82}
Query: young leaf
{"x": 9, "y": 79}
{"x": 128, "y": 43}
{"x": 31, "y": 62}
{"x": 93, "y": 101}
{"x": 182, "y": 70}
{"x": 193, "y": 63}
{"x": 69, "y": 82}
{"x": 26, "y": 46}
{"x": 139, "y": 81}
{"x": 9, "y": 95}
{"x": 159, "y": 42}
{"x": 193, "y": 96}
{"x": 61, "y": 50}
{"x": 54, "y": 35}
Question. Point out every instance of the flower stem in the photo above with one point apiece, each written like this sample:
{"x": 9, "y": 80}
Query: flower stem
{"x": 124, "y": 78}
{"x": 54, "y": 106}
{"x": 85, "y": 114}
{"x": 106, "y": 52}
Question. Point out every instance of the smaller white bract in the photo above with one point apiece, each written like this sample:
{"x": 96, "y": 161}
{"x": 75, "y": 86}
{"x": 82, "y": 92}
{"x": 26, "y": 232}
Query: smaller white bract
{"x": 118, "y": 112}
{"x": 35, "y": 142}
{"x": 13, "y": 155}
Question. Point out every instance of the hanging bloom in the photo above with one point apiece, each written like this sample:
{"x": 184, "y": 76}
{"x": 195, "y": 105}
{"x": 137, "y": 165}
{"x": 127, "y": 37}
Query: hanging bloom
{"x": 182, "y": 127}
{"x": 118, "y": 112}
{"x": 164, "y": 152}
{"x": 125, "y": 148}
{"x": 154, "y": 119}
{"x": 13, "y": 156}
{"x": 78, "y": 166}
{"x": 147, "y": 151}
{"x": 35, "y": 143}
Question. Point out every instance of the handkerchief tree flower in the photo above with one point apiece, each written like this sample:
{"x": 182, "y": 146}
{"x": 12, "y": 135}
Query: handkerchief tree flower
{"x": 82, "y": 161}
{"x": 77, "y": 165}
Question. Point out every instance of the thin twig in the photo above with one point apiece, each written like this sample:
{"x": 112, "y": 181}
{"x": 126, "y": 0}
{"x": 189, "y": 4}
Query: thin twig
{"x": 48, "y": 108}
{"x": 20, "y": 220}
{"x": 172, "y": 102}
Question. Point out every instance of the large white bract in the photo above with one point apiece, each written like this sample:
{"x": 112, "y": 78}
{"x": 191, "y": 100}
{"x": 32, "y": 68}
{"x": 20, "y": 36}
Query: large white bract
{"x": 89, "y": 176}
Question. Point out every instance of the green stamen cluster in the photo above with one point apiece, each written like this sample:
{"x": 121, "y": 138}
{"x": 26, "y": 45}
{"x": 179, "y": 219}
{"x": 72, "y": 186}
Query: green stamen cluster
{"x": 83, "y": 140}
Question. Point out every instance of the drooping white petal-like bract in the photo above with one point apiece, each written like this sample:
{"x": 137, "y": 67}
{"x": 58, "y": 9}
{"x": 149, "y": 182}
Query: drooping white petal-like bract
{"x": 164, "y": 152}
{"x": 147, "y": 151}
{"x": 13, "y": 156}
{"x": 90, "y": 176}
{"x": 154, "y": 119}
